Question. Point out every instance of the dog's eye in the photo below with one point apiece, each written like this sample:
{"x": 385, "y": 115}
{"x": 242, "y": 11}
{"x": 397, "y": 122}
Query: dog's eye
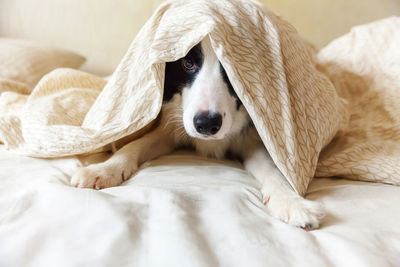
{"x": 189, "y": 65}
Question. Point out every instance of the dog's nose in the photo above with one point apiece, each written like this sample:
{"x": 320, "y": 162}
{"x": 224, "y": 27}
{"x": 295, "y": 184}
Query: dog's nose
{"x": 207, "y": 123}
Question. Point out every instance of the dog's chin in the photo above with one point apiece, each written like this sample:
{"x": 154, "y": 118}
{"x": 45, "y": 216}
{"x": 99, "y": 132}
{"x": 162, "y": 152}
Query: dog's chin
{"x": 207, "y": 137}
{"x": 194, "y": 134}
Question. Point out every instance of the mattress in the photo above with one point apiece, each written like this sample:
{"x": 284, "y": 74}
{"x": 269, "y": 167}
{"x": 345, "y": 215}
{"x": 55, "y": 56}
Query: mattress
{"x": 185, "y": 210}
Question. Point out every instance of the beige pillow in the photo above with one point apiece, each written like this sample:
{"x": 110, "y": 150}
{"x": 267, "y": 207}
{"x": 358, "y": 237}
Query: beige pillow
{"x": 25, "y": 62}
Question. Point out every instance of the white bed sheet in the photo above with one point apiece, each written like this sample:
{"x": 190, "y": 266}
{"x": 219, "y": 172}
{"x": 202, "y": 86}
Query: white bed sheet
{"x": 183, "y": 210}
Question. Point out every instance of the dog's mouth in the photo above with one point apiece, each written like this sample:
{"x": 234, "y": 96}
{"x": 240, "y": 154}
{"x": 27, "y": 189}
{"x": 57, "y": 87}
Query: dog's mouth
{"x": 207, "y": 137}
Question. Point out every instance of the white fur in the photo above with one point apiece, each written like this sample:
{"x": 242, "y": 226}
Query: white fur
{"x": 208, "y": 92}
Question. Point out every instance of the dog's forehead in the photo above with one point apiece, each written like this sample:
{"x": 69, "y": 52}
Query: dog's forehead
{"x": 205, "y": 50}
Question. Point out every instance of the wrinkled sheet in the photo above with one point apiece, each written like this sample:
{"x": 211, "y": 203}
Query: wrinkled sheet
{"x": 184, "y": 210}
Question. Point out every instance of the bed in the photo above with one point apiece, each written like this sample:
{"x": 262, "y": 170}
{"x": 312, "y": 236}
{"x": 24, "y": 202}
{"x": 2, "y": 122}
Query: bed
{"x": 179, "y": 210}
{"x": 183, "y": 210}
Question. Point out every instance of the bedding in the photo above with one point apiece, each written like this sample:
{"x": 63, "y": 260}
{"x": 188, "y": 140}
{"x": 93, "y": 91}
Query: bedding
{"x": 24, "y": 63}
{"x": 364, "y": 66}
{"x": 184, "y": 210}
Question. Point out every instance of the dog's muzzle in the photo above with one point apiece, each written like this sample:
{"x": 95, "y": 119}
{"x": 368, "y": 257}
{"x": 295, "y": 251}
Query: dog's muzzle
{"x": 207, "y": 123}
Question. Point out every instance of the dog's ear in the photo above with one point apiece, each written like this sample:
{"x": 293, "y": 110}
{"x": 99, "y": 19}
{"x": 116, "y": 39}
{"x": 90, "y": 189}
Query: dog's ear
{"x": 294, "y": 107}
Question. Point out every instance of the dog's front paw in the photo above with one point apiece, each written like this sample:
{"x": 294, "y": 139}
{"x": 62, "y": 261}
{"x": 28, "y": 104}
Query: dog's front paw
{"x": 99, "y": 176}
{"x": 295, "y": 210}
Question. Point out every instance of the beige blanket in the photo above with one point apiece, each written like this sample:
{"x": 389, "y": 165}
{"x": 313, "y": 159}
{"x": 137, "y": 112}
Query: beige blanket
{"x": 294, "y": 107}
{"x": 364, "y": 66}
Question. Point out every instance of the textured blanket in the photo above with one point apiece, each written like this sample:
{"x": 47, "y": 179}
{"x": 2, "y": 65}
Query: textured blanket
{"x": 364, "y": 66}
{"x": 294, "y": 106}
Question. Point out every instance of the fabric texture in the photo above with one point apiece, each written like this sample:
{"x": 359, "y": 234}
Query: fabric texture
{"x": 294, "y": 107}
{"x": 24, "y": 63}
{"x": 364, "y": 66}
{"x": 185, "y": 210}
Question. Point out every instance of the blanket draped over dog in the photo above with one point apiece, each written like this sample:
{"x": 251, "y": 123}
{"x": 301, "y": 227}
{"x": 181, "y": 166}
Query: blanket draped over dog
{"x": 294, "y": 107}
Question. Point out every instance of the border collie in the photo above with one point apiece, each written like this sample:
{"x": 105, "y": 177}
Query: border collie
{"x": 201, "y": 110}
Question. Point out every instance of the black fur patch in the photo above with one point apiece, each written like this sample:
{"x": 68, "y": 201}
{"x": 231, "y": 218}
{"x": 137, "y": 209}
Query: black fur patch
{"x": 176, "y": 78}
{"x": 230, "y": 87}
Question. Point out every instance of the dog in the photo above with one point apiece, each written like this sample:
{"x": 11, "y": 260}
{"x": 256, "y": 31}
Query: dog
{"x": 201, "y": 110}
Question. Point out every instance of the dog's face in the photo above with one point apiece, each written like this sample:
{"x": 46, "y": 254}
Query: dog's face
{"x": 211, "y": 109}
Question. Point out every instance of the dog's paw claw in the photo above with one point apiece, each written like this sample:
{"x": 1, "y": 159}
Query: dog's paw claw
{"x": 307, "y": 227}
{"x": 266, "y": 200}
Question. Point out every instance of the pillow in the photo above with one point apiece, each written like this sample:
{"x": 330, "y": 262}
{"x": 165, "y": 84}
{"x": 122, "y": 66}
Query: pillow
{"x": 27, "y": 62}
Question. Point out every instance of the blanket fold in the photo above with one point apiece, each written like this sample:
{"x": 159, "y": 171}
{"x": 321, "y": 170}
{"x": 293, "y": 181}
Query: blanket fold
{"x": 294, "y": 106}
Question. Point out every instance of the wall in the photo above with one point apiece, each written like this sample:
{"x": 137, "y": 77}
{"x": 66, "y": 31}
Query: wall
{"x": 102, "y": 29}
{"x": 321, "y": 21}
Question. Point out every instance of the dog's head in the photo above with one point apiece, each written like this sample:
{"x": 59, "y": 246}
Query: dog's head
{"x": 209, "y": 105}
